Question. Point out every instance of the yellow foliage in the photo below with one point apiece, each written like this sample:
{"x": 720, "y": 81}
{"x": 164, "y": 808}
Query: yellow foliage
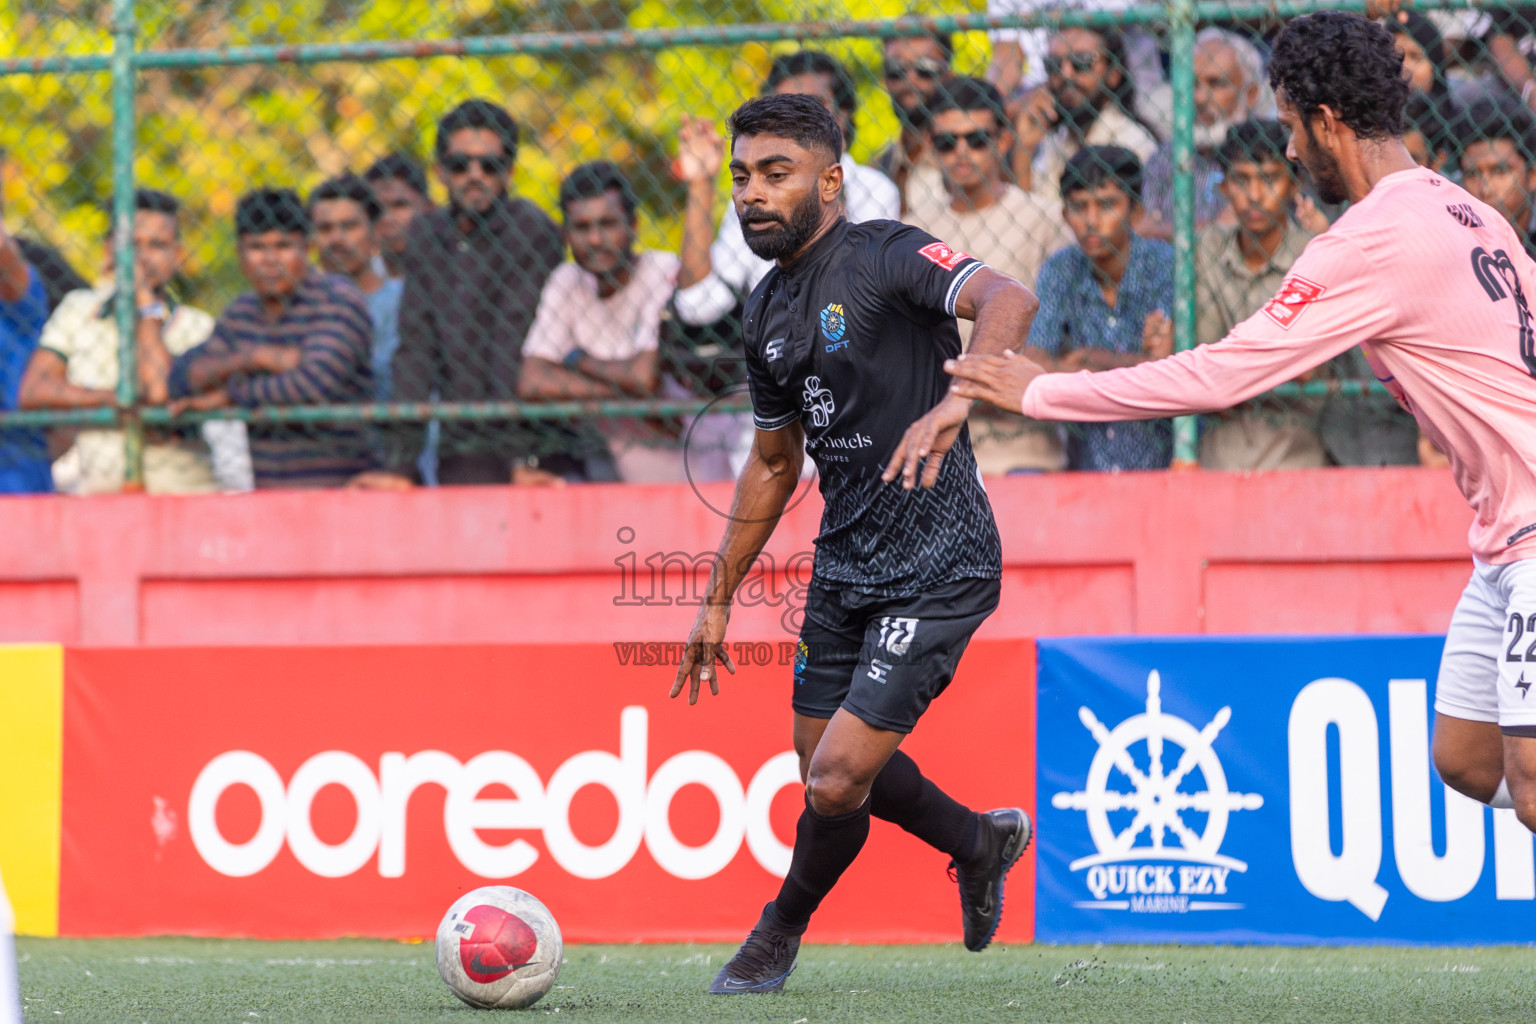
{"x": 209, "y": 135}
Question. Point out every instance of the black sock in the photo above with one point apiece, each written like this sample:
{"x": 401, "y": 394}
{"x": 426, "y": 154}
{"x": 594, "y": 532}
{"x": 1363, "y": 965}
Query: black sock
{"x": 824, "y": 847}
{"x": 903, "y": 796}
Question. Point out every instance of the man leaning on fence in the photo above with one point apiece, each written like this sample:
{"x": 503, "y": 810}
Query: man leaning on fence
{"x": 346, "y": 215}
{"x": 75, "y": 367}
{"x": 600, "y": 318}
{"x": 298, "y": 337}
{"x": 1238, "y": 267}
{"x": 1105, "y": 303}
{"x": 473, "y": 274}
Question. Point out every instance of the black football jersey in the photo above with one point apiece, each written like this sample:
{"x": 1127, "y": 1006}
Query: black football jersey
{"x": 851, "y": 341}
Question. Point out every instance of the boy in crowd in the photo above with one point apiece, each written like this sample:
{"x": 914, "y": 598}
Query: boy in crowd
{"x": 1104, "y": 303}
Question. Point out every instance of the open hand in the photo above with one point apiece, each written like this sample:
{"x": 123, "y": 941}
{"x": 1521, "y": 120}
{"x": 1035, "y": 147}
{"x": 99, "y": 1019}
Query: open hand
{"x": 1000, "y": 380}
{"x": 700, "y": 150}
{"x": 705, "y": 647}
{"x": 927, "y": 442}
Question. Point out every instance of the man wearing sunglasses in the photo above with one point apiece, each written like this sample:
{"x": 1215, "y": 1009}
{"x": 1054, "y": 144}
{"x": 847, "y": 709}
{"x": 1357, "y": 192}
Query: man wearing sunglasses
{"x": 1001, "y": 225}
{"x": 1088, "y": 100}
{"x": 916, "y": 68}
{"x": 473, "y": 274}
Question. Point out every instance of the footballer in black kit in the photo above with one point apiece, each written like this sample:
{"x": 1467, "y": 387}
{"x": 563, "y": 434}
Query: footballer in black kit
{"x": 846, "y": 339}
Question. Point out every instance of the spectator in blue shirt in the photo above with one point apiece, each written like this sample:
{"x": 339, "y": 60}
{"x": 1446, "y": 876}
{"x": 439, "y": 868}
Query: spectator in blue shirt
{"x": 345, "y": 213}
{"x": 1104, "y": 302}
{"x": 24, "y": 464}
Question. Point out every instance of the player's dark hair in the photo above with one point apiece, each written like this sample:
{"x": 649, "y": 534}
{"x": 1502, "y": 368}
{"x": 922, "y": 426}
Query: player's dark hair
{"x": 1253, "y": 142}
{"x": 789, "y": 116}
{"x": 1093, "y": 166}
{"x": 1343, "y": 62}
{"x": 1435, "y": 118}
{"x": 271, "y": 209}
{"x": 969, "y": 95}
{"x": 478, "y": 114}
{"x": 398, "y": 167}
{"x": 1493, "y": 118}
{"x": 945, "y": 41}
{"x": 348, "y": 186}
{"x": 595, "y": 180}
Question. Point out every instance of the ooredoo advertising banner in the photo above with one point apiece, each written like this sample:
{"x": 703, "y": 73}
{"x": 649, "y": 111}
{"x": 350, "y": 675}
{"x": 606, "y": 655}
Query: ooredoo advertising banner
{"x": 309, "y": 792}
{"x": 1252, "y": 789}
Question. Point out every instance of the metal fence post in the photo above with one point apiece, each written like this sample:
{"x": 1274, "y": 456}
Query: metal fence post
{"x": 1181, "y": 25}
{"x": 124, "y": 82}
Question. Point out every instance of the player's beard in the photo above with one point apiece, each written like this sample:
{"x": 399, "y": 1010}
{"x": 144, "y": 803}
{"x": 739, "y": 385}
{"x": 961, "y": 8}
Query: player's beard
{"x": 1327, "y": 176}
{"x": 792, "y": 233}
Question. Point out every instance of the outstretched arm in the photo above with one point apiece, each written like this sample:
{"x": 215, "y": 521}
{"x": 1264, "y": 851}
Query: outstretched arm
{"x": 767, "y": 482}
{"x": 1328, "y": 305}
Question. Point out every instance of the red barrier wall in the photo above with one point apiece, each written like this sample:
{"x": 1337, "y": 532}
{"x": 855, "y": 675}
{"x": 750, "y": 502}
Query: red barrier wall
{"x": 1306, "y": 551}
{"x": 316, "y": 792}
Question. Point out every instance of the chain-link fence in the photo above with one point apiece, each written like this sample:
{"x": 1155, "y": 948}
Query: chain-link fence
{"x": 393, "y": 241}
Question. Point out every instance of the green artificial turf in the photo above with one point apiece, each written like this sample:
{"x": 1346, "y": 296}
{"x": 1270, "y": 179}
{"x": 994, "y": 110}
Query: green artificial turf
{"x": 197, "y": 980}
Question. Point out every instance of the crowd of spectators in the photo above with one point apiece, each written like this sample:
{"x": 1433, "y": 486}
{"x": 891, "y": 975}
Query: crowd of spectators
{"x": 1056, "y": 169}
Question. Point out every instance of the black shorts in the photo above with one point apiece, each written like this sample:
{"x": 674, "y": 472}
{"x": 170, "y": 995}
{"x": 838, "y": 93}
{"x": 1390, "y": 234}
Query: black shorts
{"x": 885, "y": 658}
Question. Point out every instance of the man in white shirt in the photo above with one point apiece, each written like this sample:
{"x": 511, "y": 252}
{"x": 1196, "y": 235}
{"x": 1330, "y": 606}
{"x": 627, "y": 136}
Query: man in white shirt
{"x": 717, "y": 275}
{"x": 75, "y": 367}
{"x": 1088, "y": 99}
{"x": 598, "y": 326}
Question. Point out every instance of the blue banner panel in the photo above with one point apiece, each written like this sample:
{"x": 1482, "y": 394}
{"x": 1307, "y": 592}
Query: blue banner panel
{"x": 1258, "y": 789}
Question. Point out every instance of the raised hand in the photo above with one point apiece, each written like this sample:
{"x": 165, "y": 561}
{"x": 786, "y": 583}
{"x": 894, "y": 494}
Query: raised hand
{"x": 700, "y": 150}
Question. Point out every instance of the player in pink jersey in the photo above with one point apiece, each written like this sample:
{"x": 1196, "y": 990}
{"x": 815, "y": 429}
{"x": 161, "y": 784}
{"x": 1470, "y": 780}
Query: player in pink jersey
{"x": 1436, "y": 288}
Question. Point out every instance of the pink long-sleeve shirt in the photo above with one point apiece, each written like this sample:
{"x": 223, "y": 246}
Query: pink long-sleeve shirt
{"x": 1437, "y": 288}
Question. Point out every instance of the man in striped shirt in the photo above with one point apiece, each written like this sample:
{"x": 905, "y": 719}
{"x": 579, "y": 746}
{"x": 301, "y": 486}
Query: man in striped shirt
{"x": 298, "y": 337}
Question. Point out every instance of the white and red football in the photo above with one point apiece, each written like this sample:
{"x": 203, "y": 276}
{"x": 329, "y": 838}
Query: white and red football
{"x": 499, "y": 948}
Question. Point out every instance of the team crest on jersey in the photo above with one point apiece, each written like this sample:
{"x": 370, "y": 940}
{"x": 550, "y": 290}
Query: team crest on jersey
{"x": 942, "y": 255}
{"x": 834, "y": 325}
{"x": 1292, "y": 300}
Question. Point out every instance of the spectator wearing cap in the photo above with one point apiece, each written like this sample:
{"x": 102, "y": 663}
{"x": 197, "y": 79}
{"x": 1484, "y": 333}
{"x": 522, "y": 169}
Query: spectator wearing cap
{"x": 598, "y": 328}
{"x": 1497, "y": 138}
{"x": 716, "y": 276}
{"x": 298, "y": 337}
{"x": 473, "y": 274}
{"x": 1104, "y": 303}
{"x": 75, "y": 367}
{"x": 346, "y": 214}
{"x": 1238, "y": 268}
{"x": 400, "y": 185}
{"x": 1000, "y": 224}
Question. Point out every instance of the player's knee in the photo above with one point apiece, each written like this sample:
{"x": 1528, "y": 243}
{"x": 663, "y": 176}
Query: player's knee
{"x": 832, "y": 793}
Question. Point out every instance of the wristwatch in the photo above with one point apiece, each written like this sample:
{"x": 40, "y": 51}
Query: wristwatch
{"x": 573, "y": 358}
{"x": 155, "y": 311}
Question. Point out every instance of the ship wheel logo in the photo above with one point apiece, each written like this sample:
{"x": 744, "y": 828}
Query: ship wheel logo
{"x": 1156, "y": 797}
